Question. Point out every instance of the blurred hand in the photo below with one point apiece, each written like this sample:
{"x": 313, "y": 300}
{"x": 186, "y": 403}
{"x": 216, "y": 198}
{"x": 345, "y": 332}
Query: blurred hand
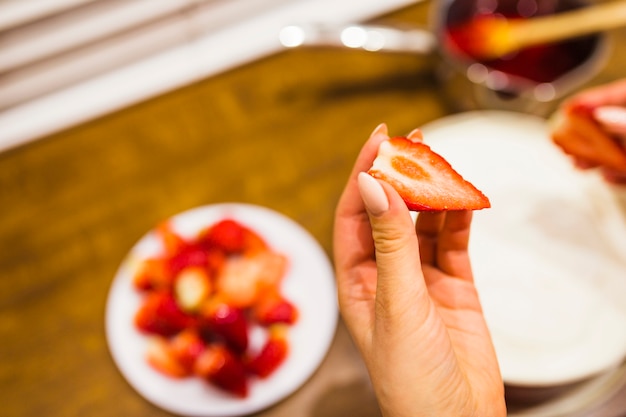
{"x": 407, "y": 296}
{"x": 607, "y": 108}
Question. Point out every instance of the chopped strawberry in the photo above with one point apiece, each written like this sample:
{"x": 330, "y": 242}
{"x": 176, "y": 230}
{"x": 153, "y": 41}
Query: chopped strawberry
{"x": 188, "y": 255}
{"x": 218, "y": 365}
{"x": 232, "y": 237}
{"x": 273, "y": 308}
{"x": 192, "y": 287}
{"x": 227, "y": 235}
{"x": 243, "y": 278}
{"x": 160, "y": 356}
{"x": 186, "y": 347}
{"x": 172, "y": 242}
{"x": 579, "y": 135}
{"x": 424, "y": 179}
{"x": 227, "y": 322}
{"x": 153, "y": 274}
{"x": 272, "y": 355}
{"x": 273, "y": 269}
{"x": 160, "y": 314}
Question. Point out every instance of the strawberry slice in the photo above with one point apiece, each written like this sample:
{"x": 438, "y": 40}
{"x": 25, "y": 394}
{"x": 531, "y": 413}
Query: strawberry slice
{"x": 232, "y": 237}
{"x": 423, "y": 178}
{"x": 226, "y": 321}
{"x": 186, "y": 347}
{"x": 272, "y": 354}
{"x": 172, "y": 242}
{"x": 191, "y": 288}
{"x": 273, "y": 308}
{"x": 153, "y": 274}
{"x": 218, "y": 365}
{"x": 580, "y": 136}
{"x": 161, "y": 357}
{"x": 160, "y": 314}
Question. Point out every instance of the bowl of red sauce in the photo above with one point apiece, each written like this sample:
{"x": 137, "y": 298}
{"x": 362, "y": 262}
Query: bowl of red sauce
{"x": 532, "y": 79}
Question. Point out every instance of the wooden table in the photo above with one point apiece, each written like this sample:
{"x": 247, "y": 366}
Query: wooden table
{"x": 282, "y": 132}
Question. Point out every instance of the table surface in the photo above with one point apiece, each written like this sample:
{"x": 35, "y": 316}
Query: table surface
{"x": 282, "y": 132}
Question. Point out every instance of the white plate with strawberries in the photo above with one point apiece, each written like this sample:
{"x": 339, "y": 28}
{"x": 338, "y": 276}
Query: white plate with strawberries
{"x": 549, "y": 256}
{"x": 222, "y": 310}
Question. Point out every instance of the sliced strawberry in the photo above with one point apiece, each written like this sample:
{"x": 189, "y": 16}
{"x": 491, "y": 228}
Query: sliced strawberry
{"x": 159, "y": 314}
{"x": 244, "y": 278}
{"x": 272, "y": 355}
{"x": 172, "y": 242}
{"x": 186, "y": 347}
{"x": 579, "y": 135}
{"x": 273, "y": 308}
{"x": 237, "y": 281}
{"x": 227, "y": 322}
{"x": 192, "y": 287}
{"x": 232, "y": 237}
{"x": 272, "y": 270}
{"x": 160, "y": 356}
{"x": 153, "y": 274}
{"x": 424, "y": 179}
{"x": 189, "y": 255}
{"x": 218, "y": 365}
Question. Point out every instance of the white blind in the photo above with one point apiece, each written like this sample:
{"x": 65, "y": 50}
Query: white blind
{"x": 64, "y": 62}
{"x": 46, "y": 45}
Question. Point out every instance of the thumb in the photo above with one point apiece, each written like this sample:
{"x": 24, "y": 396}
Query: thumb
{"x": 400, "y": 284}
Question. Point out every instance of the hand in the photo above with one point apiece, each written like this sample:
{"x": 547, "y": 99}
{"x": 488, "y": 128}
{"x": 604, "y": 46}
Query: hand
{"x": 407, "y": 296}
{"x": 607, "y": 104}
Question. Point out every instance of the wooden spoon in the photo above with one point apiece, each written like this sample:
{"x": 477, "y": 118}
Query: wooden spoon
{"x": 493, "y": 36}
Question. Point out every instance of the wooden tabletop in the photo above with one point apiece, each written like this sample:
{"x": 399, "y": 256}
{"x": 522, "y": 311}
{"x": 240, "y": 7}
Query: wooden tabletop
{"x": 282, "y": 132}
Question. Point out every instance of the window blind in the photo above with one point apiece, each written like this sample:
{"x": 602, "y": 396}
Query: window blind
{"x": 46, "y": 45}
{"x": 63, "y": 62}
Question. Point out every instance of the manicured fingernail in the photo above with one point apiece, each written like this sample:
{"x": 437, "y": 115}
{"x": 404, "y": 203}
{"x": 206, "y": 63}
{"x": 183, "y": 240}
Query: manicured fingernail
{"x": 373, "y": 195}
{"x": 416, "y": 135}
{"x": 614, "y": 117}
{"x": 381, "y": 129}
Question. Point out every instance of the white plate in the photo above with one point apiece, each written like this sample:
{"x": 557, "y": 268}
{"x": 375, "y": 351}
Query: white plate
{"x": 549, "y": 257}
{"x": 309, "y": 284}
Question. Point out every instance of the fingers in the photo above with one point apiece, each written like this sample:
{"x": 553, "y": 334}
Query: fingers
{"x": 444, "y": 241}
{"x": 353, "y": 247}
{"x": 612, "y": 119}
{"x": 350, "y": 216}
{"x": 400, "y": 283}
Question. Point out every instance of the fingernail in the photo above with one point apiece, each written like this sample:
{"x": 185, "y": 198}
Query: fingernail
{"x": 381, "y": 129}
{"x": 416, "y": 135}
{"x": 373, "y": 195}
{"x": 612, "y": 116}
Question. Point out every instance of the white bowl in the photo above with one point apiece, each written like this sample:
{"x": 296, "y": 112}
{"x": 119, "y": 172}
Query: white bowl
{"x": 309, "y": 284}
{"x": 549, "y": 257}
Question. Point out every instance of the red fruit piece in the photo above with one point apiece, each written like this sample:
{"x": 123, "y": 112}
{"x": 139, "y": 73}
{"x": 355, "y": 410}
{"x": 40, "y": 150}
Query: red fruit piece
{"x": 244, "y": 278}
{"x": 160, "y": 356}
{"x": 189, "y": 255}
{"x": 272, "y": 355}
{"x": 423, "y": 178}
{"x": 192, "y": 287}
{"x": 273, "y": 308}
{"x": 232, "y": 237}
{"x": 172, "y": 242}
{"x": 227, "y": 322}
{"x": 159, "y": 314}
{"x": 153, "y": 274}
{"x": 218, "y": 365}
{"x": 579, "y": 135}
{"x": 186, "y": 347}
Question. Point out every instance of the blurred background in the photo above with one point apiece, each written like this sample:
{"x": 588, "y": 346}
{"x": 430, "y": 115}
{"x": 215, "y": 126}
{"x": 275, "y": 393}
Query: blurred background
{"x": 116, "y": 114}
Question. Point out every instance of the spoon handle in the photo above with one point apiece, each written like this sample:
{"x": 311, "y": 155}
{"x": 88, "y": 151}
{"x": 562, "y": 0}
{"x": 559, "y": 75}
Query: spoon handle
{"x": 584, "y": 21}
